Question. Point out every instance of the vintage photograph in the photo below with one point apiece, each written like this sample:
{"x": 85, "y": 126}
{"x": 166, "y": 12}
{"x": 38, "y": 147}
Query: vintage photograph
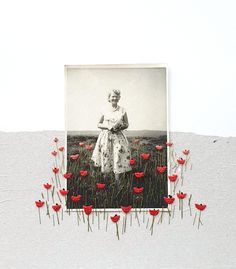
{"x": 116, "y": 131}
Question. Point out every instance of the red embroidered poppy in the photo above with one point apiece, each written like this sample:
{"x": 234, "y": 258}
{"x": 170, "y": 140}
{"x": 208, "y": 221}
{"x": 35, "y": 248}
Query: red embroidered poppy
{"x": 126, "y": 209}
{"x": 159, "y": 147}
{"x": 47, "y": 186}
{"x": 173, "y": 177}
{"x": 56, "y": 140}
{"x": 138, "y": 190}
{"x": 76, "y": 198}
{"x": 54, "y": 153}
{"x": 56, "y": 207}
{"x": 55, "y": 170}
{"x": 81, "y": 144}
{"x": 101, "y": 186}
{"x": 61, "y": 148}
{"x": 67, "y": 175}
{"x": 181, "y": 161}
{"x": 161, "y": 169}
{"x": 181, "y": 195}
{"x": 186, "y": 151}
{"x": 169, "y": 200}
{"x": 200, "y": 207}
{"x": 139, "y": 174}
{"x": 89, "y": 147}
{"x": 74, "y": 157}
{"x": 87, "y": 209}
{"x": 136, "y": 141}
{"x": 115, "y": 218}
{"x": 83, "y": 173}
{"x": 63, "y": 192}
{"x": 154, "y": 212}
{"x": 132, "y": 161}
{"x": 39, "y": 203}
{"x": 145, "y": 156}
{"x": 169, "y": 144}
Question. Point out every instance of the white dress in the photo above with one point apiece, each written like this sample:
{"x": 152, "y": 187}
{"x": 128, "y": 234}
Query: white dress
{"x": 111, "y": 151}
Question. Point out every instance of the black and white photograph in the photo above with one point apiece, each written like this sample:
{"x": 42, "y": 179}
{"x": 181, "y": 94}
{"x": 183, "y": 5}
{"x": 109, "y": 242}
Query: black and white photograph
{"x": 116, "y": 122}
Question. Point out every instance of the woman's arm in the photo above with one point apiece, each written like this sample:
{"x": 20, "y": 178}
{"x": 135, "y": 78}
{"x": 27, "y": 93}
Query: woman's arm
{"x": 101, "y": 125}
{"x": 122, "y": 124}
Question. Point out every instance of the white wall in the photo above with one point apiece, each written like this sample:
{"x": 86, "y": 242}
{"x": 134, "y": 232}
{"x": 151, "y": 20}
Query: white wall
{"x": 195, "y": 38}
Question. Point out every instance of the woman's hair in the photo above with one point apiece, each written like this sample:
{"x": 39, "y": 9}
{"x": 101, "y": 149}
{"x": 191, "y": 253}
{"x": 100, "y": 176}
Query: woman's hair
{"x": 115, "y": 91}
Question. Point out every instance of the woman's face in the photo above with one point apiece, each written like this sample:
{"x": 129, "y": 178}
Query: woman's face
{"x": 114, "y": 98}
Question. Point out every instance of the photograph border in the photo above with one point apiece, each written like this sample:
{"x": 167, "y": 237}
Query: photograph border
{"x": 114, "y": 66}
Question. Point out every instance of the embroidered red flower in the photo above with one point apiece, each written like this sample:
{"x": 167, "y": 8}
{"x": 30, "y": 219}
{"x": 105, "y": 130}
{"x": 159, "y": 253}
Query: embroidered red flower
{"x": 181, "y": 161}
{"x": 63, "y": 192}
{"x": 47, "y": 186}
{"x": 81, "y": 144}
{"x": 126, "y": 209}
{"x": 159, "y": 147}
{"x": 54, "y": 153}
{"x": 169, "y": 144}
{"x": 132, "y": 161}
{"x": 39, "y": 203}
{"x": 61, "y": 148}
{"x": 200, "y": 207}
{"x": 83, "y": 173}
{"x": 161, "y": 169}
{"x": 139, "y": 174}
{"x": 154, "y": 212}
{"x": 56, "y": 140}
{"x": 138, "y": 190}
{"x": 181, "y": 195}
{"x": 67, "y": 175}
{"x": 89, "y": 147}
{"x": 76, "y": 198}
{"x": 173, "y": 177}
{"x": 87, "y": 209}
{"x": 55, "y": 170}
{"x": 115, "y": 218}
{"x": 169, "y": 200}
{"x": 100, "y": 186}
{"x": 74, "y": 157}
{"x": 56, "y": 207}
{"x": 186, "y": 151}
{"x": 145, "y": 156}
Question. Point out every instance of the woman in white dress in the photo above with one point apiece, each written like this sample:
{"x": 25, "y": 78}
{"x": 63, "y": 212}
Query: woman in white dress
{"x": 111, "y": 151}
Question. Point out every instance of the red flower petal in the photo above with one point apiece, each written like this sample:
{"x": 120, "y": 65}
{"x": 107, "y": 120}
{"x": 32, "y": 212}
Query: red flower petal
{"x": 63, "y": 192}
{"x": 145, "y": 156}
{"x": 89, "y": 147}
{"x": 87, "y": 209}
{"x": 181, "y": 161}
{"x": 81, "y": 144}
{"x": 74, "y": 157}
{"x": 56, "y": 207}
{"x": 154, "y": 212}
{"x": 115, "y": 218}
{"x": 55, "y": 170}
{"x": 132, "y": 161}
{"x": 161, "y": 169}
{"x": 200, "y": 207}
{"x": 39, "y": 203}
{"x": 54, "y": 153}
{"x": 169, "y": 200}
{"x": 138, "y": 190}
{"x": 100, "y": 186}
{"x": 186, "y": 151}
{"x": 169, "y": 144}
{"x": 173, "y": 177}
{"x": 76, "y": 198}
{"x": 159, "y": 147}
{"x": 67, "y": 175}
{"x": 61, "y": 148}
{"x": 47, "y": 186}
{"x": 139, "y": 174}
{"x": 126, "y": 209}
{"x": 181, "y": 195}
{"x": 83, "y": 173}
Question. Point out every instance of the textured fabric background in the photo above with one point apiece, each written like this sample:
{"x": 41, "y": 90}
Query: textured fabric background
{"x": 25, "y": 164}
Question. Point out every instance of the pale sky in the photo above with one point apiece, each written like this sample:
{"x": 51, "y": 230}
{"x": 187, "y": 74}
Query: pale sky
{"x": 143, "y": 95}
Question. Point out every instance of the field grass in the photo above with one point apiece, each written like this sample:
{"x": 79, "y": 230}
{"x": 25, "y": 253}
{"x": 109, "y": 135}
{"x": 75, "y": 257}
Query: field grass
{"x": 113, "y": 196}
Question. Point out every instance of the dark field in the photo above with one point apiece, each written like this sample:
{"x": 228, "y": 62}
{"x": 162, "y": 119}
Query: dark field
{"x": 113, "y": 196}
